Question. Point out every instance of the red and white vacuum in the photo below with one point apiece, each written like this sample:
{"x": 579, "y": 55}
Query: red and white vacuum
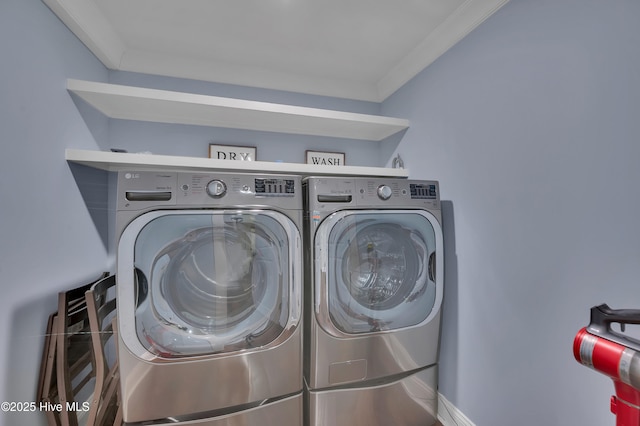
{"x": 616, "y": 355}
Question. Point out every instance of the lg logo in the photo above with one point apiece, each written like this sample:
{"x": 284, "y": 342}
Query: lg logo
{"x": 132, "y": 175}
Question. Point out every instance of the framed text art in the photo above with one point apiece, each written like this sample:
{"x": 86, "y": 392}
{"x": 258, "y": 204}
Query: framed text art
{"x": 325, "y": 158}
{"x": 231, "y": 152}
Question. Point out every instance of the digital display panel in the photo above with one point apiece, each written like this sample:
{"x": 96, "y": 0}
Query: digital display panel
{"x": 423, "y": 192}
{"x": 275, "y": 186}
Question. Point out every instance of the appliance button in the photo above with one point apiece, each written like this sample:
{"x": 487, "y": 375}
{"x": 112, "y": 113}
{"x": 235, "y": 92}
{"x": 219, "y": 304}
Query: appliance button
{"x": 384, "y": 192}
{"x": 216, "y": 188}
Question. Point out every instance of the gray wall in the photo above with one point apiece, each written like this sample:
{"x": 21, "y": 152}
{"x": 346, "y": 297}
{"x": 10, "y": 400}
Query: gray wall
{"x": 49, "y": 239}
{"x": 532, "y": 126}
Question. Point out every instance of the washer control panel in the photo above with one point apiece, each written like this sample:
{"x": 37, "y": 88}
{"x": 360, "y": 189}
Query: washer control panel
{"x": 396, "y": 192}
{"x": 333, "y": 192}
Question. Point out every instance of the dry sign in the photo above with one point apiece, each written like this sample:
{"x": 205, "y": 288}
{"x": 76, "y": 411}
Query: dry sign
{"x": 325, "y": 158}
{"x": 230, "y": 152}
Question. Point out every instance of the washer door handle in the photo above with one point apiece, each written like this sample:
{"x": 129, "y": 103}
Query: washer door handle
{"x": 432, "y": 266}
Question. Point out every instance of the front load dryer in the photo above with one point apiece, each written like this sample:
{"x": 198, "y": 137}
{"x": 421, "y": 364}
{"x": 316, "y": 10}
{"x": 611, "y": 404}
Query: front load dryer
{"x": 374, "y": 290}
{"x": 209, "y": 270}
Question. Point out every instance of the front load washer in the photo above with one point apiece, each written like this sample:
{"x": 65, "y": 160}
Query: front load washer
{"x": 374, "y": 289}
{"x": 209, "y": 287}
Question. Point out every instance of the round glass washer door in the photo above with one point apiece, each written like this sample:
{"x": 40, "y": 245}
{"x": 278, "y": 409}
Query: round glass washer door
{"x": 381, "y": 269}
{"x": 211, "y": 283}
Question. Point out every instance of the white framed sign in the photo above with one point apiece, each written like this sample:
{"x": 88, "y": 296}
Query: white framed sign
{"x": 325, "y": 158}
{"x": 231, "y": 152}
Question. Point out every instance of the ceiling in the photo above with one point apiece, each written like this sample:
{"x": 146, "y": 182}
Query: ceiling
{"x": 357, "y": 49}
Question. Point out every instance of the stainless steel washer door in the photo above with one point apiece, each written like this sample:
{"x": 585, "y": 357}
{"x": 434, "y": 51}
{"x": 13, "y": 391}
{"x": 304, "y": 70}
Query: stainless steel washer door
{"x": 207, "y": 283}
{"x": 377, "y": 270}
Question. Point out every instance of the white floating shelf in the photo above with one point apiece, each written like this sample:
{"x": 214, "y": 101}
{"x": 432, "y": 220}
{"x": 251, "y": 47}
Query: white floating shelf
{"x": 116, "y": 161}
{"x": 136, "y": 103}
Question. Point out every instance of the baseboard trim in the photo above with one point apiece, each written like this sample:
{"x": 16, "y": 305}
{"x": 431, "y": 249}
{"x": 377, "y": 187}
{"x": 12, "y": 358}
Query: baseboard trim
{"x": 449, "y": 415}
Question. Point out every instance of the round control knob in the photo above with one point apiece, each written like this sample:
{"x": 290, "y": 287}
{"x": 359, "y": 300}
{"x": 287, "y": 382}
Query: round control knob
{"x": 216, "y": 188}
{"x": 384, "y": 192}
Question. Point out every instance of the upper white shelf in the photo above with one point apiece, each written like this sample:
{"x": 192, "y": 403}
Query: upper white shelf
{"x": 116, "y": 161}
{"x": 137, "y": 103}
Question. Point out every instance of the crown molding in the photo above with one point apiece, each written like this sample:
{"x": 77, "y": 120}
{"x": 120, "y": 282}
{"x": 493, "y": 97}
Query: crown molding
{"x": 458, "y": 25}
{"x": 88, "y": 23}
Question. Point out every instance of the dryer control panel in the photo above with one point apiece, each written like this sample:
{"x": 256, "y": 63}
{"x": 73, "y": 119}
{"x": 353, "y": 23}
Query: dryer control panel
{"x": 148, "y": 189}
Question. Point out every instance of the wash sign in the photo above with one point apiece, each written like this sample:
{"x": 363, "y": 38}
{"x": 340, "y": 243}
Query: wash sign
{"x": 325, "y": 158}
